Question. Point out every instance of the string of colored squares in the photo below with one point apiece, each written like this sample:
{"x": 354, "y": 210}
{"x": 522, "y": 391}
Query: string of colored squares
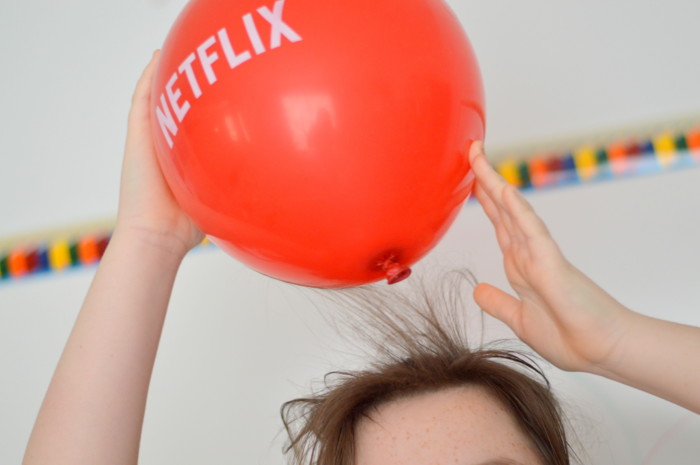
{"x": 55, "y": 256}
{"x": 618, "y": 159}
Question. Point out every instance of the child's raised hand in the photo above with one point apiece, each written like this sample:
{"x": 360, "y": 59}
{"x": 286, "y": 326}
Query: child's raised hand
{"x": 146, "y": 205}
{"x": 112, "y": 348}
{"x": 559, "y": 312}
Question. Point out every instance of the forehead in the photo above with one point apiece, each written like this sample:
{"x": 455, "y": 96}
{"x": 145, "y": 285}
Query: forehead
{"x": 455, "y": 426}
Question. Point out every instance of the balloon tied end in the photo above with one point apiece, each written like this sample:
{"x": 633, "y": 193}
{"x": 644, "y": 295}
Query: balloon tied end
{"x": 395, "y": 272}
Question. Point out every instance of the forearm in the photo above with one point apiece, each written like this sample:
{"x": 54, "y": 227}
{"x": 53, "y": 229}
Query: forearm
{"x": 659, "y": 357}
{"x": 93, "y": 410}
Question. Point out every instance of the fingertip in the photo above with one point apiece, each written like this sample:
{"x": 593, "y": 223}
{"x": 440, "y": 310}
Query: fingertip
{"x": 476, "y": 149}
{"x": 479, "y": 290}
{"x": 154, "y": 60}
{"x": 482, "y": 296}
{"x": 147, "y": 74}
{"x": 485, "y": 172}
{"x": 155, "y": 56}
{"x": 496, "y": 303}
{"x": 141, "y": 96}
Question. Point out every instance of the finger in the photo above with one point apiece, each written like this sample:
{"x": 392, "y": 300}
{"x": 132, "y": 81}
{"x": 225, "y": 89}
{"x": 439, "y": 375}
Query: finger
{"x": 476, "y": 149}
{"x": 140, "y": 100}
{"x": 490, "y": 208}
{"x": 143, "y": 86}
{"x": 499, "y": 304}
{"x": 492, "y": 182}
{"x": 523, "y": 215}
{"x": 497, "y": 215}
{"x": 508, "y": 224}
{"x": 493, "y": 214}
{"x": 478, "y": 159}
{"x": 139, "y": 142}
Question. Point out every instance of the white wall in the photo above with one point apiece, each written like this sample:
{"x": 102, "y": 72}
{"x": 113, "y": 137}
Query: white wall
{"x": 236, "y": 345}
{"x": 550, "y": 68}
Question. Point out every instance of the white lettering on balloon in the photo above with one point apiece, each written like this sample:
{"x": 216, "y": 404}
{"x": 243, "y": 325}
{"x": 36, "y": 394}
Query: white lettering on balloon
{"x": 206, "y": 55}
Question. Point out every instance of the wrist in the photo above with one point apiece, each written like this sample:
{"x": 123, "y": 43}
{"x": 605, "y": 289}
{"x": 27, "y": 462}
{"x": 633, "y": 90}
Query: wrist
{"x": 622, "y": 326}
{"x": 164, "y": 247}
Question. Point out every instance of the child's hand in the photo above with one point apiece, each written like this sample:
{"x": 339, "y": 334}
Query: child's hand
{"x": 560, "y": 312}
{"x": 146, "y": 205}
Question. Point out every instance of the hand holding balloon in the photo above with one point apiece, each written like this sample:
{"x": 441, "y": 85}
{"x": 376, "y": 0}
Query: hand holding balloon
{"x": 146, "y": 205}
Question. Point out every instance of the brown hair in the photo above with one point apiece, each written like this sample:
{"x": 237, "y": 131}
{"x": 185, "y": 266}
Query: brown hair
{"x": 420, "y": 341}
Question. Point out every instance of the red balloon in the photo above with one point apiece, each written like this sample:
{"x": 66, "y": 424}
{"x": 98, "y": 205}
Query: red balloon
{"x": 320, "y": 142}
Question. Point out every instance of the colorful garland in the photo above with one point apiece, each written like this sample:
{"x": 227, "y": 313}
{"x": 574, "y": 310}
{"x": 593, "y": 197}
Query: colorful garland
{"x": 619, "y": 159}
{"x": 56, "y": 256}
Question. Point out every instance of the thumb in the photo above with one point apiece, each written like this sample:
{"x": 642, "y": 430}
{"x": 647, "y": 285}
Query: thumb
{"x": 498, "y": 304}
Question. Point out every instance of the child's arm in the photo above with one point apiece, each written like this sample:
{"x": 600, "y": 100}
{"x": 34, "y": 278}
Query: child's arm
{"x": 566, "y": 317}
{"x": 93, "y": 410}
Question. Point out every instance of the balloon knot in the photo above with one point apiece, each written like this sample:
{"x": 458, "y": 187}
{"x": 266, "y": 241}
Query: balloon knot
{"x": 395, "y": 272}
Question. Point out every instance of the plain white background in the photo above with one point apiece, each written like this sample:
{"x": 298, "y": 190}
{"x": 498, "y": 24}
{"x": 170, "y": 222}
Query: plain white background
{"x": 236, "y": 344}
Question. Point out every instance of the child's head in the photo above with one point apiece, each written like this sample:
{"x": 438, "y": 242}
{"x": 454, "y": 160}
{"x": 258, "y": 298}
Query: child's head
{"x": 429, "y": 398}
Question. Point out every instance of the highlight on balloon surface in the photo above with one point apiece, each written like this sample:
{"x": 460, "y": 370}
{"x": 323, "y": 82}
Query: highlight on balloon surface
{"x": 322, "y": 143}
